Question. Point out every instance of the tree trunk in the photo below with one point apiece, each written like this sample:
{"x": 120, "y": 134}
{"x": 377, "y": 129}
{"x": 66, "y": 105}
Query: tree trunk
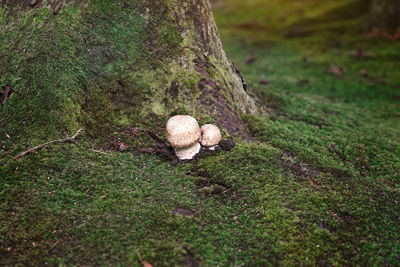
{"x": 222, "y": 91}
{"x": 114, "y": 63}
{"x": 384, "y": 14}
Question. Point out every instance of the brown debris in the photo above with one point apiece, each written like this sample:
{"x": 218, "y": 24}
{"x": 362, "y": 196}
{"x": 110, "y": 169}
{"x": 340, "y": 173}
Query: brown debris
{"x": 334, "y": 215}
{"x": 303, "y": 82}
{"x": 376, "y": 33}
{"x": 44, "y": 22}
{"x": 263, "y": 80}
{"x": 57, "y": 7}
{"x": 299, "y": 168}
{"x": 336, "y": 70}
{"x": 364, "y": 74}
{"x": 189, "y": 258}
{"x": 250, "y": 59}
{"x": 5, "y": 93}
{"x": 249, "y": 24}
{"x": 360, "y": 54}
{"x": 184, "y": 212}
{"x": 298, "y": 32}
{"x": 119, "y": 145}
{"x": 341, "y": 155}
{"x": 344, "y": 216}
{"x": 389, "y": 183}
{"x": 145, "y": 263}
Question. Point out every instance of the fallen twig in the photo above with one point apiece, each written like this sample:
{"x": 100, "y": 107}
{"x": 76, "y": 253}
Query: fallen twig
{"x": 101, "y": 152}
{"x": 90, "y": 188}
{"x": 145, "y": 263}
{"x": 151, "y": 134}
{"x": 162, "y": 147}
{"x": 71, "y": 139}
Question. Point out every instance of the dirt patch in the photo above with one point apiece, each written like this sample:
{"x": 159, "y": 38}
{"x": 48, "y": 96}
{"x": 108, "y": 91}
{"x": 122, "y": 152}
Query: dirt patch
{"x": 372, "y": 78}
{"x": 308, "y": 121}
{"x": 190, "y": 260}
{"x": 339, "y": 174}
{"x": 300, "y": 169}
{"x": 206, "y": 185}
{"x": 5, "y": 93}
{"x": 183, "y": 212}
{"x": 298, "y": 32}
{"x": 338, "y": 152}
{"x": 118, "y": 145}
{"x": 341, "y": 216}
{"x": 174, "y": 89}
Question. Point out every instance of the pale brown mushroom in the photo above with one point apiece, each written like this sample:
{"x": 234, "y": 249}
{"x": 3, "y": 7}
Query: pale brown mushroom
{"x": 210, "y": 136}
{"x": 183, "y": 133}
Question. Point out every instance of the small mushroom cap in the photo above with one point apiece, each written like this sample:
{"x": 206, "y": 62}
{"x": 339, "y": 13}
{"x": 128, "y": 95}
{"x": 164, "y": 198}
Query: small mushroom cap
{"x": 210, "y": 135}
{"x": 182, "y": 130}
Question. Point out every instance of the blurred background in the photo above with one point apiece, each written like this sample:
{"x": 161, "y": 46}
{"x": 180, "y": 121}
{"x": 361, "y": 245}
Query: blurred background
{"x": 346, "y": 51}
{"x": 271, "y": 20}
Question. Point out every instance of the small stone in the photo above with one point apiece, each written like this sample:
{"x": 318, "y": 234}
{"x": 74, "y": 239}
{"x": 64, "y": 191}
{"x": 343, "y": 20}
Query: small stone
{"x": 123, "y": 147}
{"x": 227, "y": 144}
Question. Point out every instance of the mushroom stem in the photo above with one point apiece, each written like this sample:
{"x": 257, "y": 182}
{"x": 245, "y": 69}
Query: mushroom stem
{"x": 187, "y": 152}
{"x": 212, "y": 147}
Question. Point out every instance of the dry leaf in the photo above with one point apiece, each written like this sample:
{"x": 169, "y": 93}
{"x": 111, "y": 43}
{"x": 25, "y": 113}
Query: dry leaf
{"x": 146, "y": 264}
{"x": 336, "y": 70}
{"x": 263, "y": 80}
{"x": 250, "y": 59}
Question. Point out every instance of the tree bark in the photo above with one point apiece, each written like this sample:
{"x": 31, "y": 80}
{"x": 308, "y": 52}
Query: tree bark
{"x": 384, "y": 14}
{"x": 222, "y": 93}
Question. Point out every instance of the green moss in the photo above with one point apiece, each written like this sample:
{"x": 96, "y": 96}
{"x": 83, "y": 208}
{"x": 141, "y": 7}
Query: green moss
{"x": 318, "y": 185}
{"x": 94, "y": 51}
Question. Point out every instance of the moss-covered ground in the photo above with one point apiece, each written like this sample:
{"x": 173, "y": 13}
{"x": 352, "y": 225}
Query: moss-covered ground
{"x": 318, "y": 185}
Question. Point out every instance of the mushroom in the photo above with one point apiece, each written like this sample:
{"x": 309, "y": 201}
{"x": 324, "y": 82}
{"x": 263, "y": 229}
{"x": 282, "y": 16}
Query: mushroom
{"x": 183, "y": 133}
{"x": 210, "y": 136}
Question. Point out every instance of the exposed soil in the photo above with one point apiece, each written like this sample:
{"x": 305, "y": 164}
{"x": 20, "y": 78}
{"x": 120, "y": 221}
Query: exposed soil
{"x": 5, "y": 93}
{"x": 299, "y": 169}
{"x": 184, "y": 212}
{"x": 298, "y": 32}
{"x": 302, "y": 169}
{"x": 190, "y": 260}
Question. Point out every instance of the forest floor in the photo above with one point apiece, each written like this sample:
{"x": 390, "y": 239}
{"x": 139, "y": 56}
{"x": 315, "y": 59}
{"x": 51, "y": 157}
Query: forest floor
{"x": 318, "y": 185}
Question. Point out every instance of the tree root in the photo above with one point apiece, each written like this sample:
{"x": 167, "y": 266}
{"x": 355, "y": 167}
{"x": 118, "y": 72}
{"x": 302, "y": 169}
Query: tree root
{"x": 163, "y": 147}
{"x": 71, "y": 139}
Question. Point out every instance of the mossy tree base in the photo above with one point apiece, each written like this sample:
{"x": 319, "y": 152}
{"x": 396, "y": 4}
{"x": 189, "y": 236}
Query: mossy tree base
{"x": 102, "y": 64}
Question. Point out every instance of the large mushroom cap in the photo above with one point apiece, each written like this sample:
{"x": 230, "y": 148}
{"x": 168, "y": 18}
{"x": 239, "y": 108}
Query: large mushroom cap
{"x": 182, "y": 130}
{"x": 210, "y": 135}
